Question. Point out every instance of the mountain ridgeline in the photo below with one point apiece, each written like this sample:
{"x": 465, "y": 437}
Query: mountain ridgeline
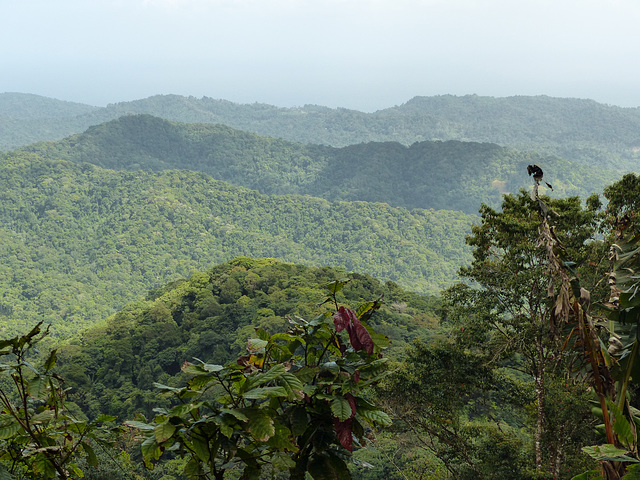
{"x": 579, "y": 130}
{"x": 78, "y": 241}
{"x": 450, "y": 175}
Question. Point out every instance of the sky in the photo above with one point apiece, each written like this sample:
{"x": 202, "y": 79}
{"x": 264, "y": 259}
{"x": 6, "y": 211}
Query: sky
{"x": 359, "y": 54}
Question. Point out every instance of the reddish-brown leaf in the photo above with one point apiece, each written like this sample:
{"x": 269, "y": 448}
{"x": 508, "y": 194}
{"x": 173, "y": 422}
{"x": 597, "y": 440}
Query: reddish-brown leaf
{"x": 360, "y": 337}
{"x": 352, "y": 403}
{"x": 343, "y": 429}
{"x": 343, "y": 318}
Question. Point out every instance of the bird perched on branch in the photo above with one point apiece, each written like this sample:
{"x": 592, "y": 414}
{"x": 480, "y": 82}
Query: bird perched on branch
{"x": 537, "y": 173}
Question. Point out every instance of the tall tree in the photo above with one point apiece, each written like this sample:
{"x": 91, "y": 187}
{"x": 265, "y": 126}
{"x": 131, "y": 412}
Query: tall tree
{"x": 515, "y": 311}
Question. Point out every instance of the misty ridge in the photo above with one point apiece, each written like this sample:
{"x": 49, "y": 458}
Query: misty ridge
{"x": 573, "y": 129}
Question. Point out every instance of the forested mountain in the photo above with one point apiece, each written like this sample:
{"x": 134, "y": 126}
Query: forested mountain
{"x": 78, "y": 242}
{"x": 579, "y": 130}
{"x": 448, "y": 175}
{"x": 210, "y": 316}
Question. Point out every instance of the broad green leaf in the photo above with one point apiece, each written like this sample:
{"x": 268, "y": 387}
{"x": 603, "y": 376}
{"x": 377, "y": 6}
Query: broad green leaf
{"x": 341, "y": 408}
{"x": 192, "y": 369}
{"x": 260, "y": 424}
{"x": 192, "y": 470}
{"x": 236, "y": 413}
{"x": 187, "y": 394}
{"x": 167, "y": 388}
{"x": 209, "y": 367}
{"x": 139, "y": 425}
{"x": 150, "y": 449}
{"x": 260, "y": 378}
{"x": 51, "y": 361}
{"x": 282, "y": 440}
{"x": 43, "y": 467}
{"x": 44, "y": 416}
{"x": 200, "y": 381}
{"x": 262, "y": 333}
{"x": 38, "y": 386}
{"x": 77, "y": 426}
{"x": 265, "y": 392}
{"x": 164, "y": 431}
{"x": 9, "y": 429}
{"x": 322, "y": 319}
{"x": 30, "y": 367}
{"x": 293, "y": 386}
{"x": 621, "y": 426}
{"x": 200, "y": 446}
{"x": 608, "y": 452}
{"x": 299, "y": 419}
{"x": 328, "y": 467}
{"x": 331, "y": 367}
{"x": 306, "y": 374}
{"x": 375, "y": 416}
{"x": 284, "y": 336}
{"x": 104, "y": 418}
{"x": 251, "y": 472}
{"x": 364, "y": 308}
{"x": 73, "y": 467}
{"x": 633, "y": 473}
{"x": 92, "y": 459}
{"x": 4, "y": 474}
{"x": 226, "y": 426}
{"x": 379, "y": 340}
{"x": 254, "y": 345}
{"x": 184, "y": 408}
{"x": 280, "y": 460}
{"x": 337, "y": 285}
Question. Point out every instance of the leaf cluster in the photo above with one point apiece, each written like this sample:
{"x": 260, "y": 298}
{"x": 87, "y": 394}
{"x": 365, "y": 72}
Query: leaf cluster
{"x": 296, "y": 401}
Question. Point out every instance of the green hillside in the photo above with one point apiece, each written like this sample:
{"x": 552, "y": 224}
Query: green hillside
{"x": 78, "y": 242}
{"x": 210, "y": 317}
{"x": 448, "y": 175}
{"x": 579, "y": 130}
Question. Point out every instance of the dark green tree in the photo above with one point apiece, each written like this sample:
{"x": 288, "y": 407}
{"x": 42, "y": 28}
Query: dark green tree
{"x": 516, "y": 318}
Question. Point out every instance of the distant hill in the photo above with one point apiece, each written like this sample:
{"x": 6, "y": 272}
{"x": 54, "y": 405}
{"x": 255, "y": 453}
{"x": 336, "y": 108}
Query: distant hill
{"x": 579, "y": 130}
{"x": 78, "y": 242}
{"x": 448, "y": 175}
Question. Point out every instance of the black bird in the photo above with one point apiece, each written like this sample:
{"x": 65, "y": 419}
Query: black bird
{"x": 537, "y": 173}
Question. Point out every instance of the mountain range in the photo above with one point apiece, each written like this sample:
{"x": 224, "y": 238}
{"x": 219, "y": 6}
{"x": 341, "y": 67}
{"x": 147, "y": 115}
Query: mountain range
{"x": 575, "y": 129}
{"x": 449, "y": 175}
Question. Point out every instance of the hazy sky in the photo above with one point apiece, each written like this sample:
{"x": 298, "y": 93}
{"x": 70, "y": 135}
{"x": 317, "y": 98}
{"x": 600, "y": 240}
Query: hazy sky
{"x": 361, "y": 54}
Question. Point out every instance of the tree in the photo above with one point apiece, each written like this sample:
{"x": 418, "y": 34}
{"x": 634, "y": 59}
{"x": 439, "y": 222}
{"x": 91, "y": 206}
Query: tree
{"x": 296, "y": 401}
{"x": 454, "y": 405}
{"x": 39, "y": 436}
{"x": 515, "y": 313}
{"x": 613, "y": 370}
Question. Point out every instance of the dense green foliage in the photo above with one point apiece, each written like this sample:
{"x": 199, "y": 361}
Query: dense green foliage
{"x": 112, "y": 367}
{"x": 467, "y": 416}
{"x": 516, "y": 312}
{"x": 78, "y": 242}
{"x": 449, "y": 175}
{"x": 500, "y": 387}
{"x": 579, "y": 130}
{"x": 39, "y": 437}
{"x": 296, "y": 402}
